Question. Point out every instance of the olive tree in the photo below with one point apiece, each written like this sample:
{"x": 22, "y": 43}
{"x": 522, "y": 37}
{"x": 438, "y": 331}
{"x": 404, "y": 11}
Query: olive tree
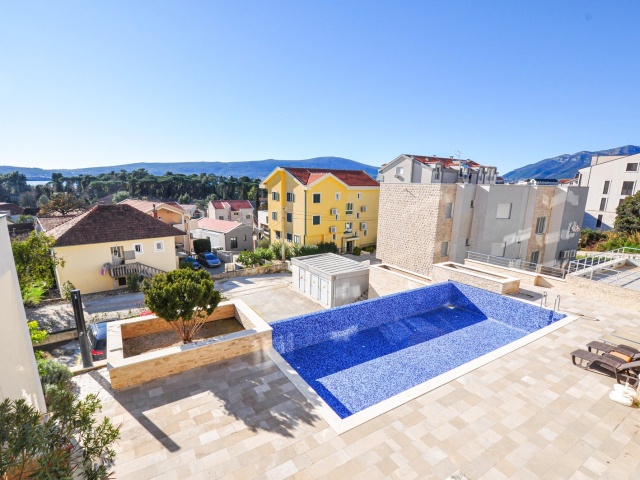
{"x": 184, "y": 298}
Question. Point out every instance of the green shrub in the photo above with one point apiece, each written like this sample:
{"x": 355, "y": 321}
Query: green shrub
{"x": 264, "y": 254}
{"x": 66, "y": 289}
{"x": 357, "y": 251}
{"x": 33, "y": 295}
{"x": 370, "y": 249}
{"x": 264, "y": 243}
{"x": 52, "y": 373}
{"x": 133, "y": 282}
{"x": 187, "y": 265}
{"x": 248, "y": 259}
{"x": 276, "y": 248}
{"x": 201, "y": 245}
{"x": 327, "y": 247}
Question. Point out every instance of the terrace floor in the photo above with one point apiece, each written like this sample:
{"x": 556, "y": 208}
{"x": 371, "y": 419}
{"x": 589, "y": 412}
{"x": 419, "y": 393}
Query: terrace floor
{"x": 530, "y": 414}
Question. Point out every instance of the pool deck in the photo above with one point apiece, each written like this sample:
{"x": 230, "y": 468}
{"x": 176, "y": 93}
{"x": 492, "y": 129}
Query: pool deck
{"x": 529, "y": 414}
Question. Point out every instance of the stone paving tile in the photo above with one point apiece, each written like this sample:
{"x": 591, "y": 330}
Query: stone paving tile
{"x": 529, "y": 414}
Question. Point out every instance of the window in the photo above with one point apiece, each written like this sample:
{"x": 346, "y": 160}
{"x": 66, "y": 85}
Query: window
{"x": 122, "y": 281}
{"x": 541, "y": 224}
{"x": 274, "y": 215}
{"x": 275, "y": 196}
{"x": 620, "y": 201}
{"x": 158, "y": 246}
{"x": 436, "y": 174}
{"x": 357, "y": 214}
{"x": 627, "y": 188}
{"x": 399, "y": 171}
{"x": 448, "y": 210}
{"x": 277, "y": 234}
{"x": 347, "y": 226}
{"x": 607, "y": 185}
{"x": 248, "y": 217}
{"x": 498, "y": 249}
{"x": 364, "y": 233}
{"x": 337, "y": 196}
{"x": 632, "y": 167}
{"x": 117, "y": 252}
{"x": 289, "y": 217}
{"x": 504, "y": 210}
{"x": 137, "y": 247}
{"x": 599, "y": 221}
{"x": 535, "y": 256}
{"x": 315, "y": 220}
{"x": 466, "y": 242}
{"x": 289, "y": 237}
{"x": 359, "y": 195}
{"x": 349, "y": 208}
{"x": 235, "y": 214}
{"x": 603, "y": 203}
{"x": 221, "y": 217}
{"x": 234, "y": 242}
{"x": 291, "y": 197}
{"x": 245, "y": 238}
{"x": 296, "y": 239}
{"x": 444, "y": 250}
{"x": 471, "y": 203}
{"x": 333, "y": 236}
{"x": 316, "y": 198}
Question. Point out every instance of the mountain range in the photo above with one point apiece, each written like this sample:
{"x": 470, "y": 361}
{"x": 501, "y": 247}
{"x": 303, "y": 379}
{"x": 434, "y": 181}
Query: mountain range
{"x": 564, "y": 166}
{"x": 252, "y": 169}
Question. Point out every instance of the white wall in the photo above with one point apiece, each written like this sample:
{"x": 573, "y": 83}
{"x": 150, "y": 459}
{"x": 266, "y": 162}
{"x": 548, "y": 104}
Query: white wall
{"x": 19, "y": 374}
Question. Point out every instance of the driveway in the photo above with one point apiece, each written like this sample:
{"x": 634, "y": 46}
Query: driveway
{"x": 269, "y": 295}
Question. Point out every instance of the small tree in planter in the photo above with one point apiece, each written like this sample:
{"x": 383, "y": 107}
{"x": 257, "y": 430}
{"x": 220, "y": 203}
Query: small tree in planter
{"x": 202, "y": 245}
{"x": 184, "y": 298}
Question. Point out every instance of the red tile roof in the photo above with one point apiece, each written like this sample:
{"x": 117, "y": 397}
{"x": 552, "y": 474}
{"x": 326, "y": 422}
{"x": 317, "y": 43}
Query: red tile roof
{"x": 215, "y": 225}
{"x": 11, "y": 207}
{"x": 352, "y": 178}
{"x": 48, "y": 223}
{"x": 233, "y": 205}
{"x": 147, "y": 205}
{"x": 111, "y": 223}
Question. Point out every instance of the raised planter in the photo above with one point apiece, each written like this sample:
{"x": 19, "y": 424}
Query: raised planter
{"x": 132, "y": 371}
{"x": 476, "y": 277}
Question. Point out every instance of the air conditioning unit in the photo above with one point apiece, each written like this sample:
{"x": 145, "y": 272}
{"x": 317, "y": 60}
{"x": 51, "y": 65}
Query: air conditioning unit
{"x": 334, "y": 211}
{"x": 363, "y": 226}
{"x": 332, "y": 229}
{"x": 363, "y": 208}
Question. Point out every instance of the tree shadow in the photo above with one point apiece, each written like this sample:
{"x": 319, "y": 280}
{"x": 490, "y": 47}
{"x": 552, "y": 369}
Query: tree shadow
{"x": 249, "y": 388}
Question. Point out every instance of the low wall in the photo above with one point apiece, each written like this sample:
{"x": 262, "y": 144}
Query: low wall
{"x": 493, "y": 282}
{"x": 132, "y": 371}
{"x": 573, "y": 285}
{"x": 245, "y": 272}
{"x": 387, "y": 279}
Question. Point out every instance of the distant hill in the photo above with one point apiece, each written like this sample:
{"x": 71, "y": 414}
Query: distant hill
{"x": 252, "y": 169}
{"x": 564, "y": 166}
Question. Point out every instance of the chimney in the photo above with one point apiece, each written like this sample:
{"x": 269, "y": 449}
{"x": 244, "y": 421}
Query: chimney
{"x": 155, "y": 212}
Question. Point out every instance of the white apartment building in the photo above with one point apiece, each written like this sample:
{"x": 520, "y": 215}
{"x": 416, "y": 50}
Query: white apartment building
{"x": 610, "y": 179}
{"x": 429, "y": 170}
{"x": 231, "y": 211}
{"x": 423, "y": 224}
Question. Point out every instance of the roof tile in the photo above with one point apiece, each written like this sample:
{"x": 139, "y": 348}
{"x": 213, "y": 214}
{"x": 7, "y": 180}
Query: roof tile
{"x": 352, "y": 178}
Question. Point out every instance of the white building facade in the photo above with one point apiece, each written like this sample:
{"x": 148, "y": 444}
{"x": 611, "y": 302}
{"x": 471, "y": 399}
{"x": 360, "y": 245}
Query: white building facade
{"x": 610, "y": 180}
{"x": 231, "y": 211}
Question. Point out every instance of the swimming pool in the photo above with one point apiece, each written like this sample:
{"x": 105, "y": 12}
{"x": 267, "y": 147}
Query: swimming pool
{"x": 359, "y": 355}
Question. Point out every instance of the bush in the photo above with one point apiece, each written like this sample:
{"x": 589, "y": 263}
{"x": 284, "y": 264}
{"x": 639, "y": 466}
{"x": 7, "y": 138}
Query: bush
{"x": 276, "y": 249}
{"x": 33, "y": 295}
{"x": 370, "y": 249}
{"x": 248, "y": 259}
{"x": 52, "y": 373}
{"x": 357, "y": 251}
{"x": 327, "y": 247}
{"x": 66, "y": 289}
{"x": 186, "y": 265}
{"x": 201, "y": 245}
{"x": 264, "y": 243}
{"x": 264, "y": 254}
{"x": 133, "y": 282}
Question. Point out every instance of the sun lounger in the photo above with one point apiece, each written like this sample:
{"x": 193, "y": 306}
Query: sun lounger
{"x": 624, "y": 372}
{"x": 632, "y": 353}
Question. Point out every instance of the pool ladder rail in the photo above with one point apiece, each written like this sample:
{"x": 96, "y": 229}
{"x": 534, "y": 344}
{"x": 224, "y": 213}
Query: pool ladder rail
{"x": 543, "y": 303}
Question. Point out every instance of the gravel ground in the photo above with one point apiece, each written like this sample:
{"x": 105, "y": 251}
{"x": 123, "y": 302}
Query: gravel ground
{"x": 96, "y": 382}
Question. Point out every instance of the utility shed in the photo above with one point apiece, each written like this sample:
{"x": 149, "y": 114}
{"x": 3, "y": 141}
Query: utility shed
{"x": 330, "y": 279}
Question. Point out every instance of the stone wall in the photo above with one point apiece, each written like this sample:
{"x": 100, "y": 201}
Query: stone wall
{"x": 526, "y": 278}
{"x": 385, "y": 280}
{"x": 273, "y": 268}
{"x": 493, "y": 282}
{"x": 412, "y": 224}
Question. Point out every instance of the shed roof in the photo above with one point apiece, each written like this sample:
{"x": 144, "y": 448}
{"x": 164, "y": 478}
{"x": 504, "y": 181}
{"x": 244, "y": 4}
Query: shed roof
{"x": 330, "y": 264}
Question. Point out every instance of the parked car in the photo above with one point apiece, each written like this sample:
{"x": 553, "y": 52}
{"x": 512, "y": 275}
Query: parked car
{"x": 208, "y": 259}
{"x": 97, "y": 337}
{"x": 193, "y": 262}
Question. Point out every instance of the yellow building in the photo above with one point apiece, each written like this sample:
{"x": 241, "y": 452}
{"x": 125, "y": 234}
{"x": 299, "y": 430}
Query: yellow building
{"x": 309, "y": 205}
{"x": 100, "y": 247}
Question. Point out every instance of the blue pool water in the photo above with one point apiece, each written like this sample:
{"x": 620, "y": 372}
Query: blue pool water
{"x": 358, "y": 355}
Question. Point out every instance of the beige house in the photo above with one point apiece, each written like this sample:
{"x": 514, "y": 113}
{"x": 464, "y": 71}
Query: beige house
{"x": 170, "y": 213}
{"x": 231, "y": 211}
{"x": 108, "y": 242}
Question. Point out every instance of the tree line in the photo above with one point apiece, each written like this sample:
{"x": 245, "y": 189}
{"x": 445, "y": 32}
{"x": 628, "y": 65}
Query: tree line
{"x": 194, "y": 188}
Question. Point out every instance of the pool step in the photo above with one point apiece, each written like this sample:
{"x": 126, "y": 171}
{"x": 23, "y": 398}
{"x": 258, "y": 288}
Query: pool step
{"x": 364, "y": 296}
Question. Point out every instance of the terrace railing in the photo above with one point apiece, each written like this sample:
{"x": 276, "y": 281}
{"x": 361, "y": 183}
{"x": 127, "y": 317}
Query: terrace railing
{"x": 118, "y": 271}
{"x": 598, "y": 258}
{"x": 516, "y": 263}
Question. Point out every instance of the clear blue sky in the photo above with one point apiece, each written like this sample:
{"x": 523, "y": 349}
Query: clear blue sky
{"x": 91, "y": 83}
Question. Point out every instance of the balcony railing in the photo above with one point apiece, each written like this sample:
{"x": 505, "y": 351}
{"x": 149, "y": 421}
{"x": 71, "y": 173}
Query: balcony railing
{"x": 118, "y": 271}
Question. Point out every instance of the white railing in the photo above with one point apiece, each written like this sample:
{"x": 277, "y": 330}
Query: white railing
{"x": 598, "y": 258}
{"x": 516, "y": 263}
{"x": 117, "y": 271}
{"x": 611, "y": 276}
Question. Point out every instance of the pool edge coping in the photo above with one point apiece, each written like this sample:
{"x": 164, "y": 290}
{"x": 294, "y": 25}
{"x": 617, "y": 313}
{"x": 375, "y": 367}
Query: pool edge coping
{"x": 341, "y": 425}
